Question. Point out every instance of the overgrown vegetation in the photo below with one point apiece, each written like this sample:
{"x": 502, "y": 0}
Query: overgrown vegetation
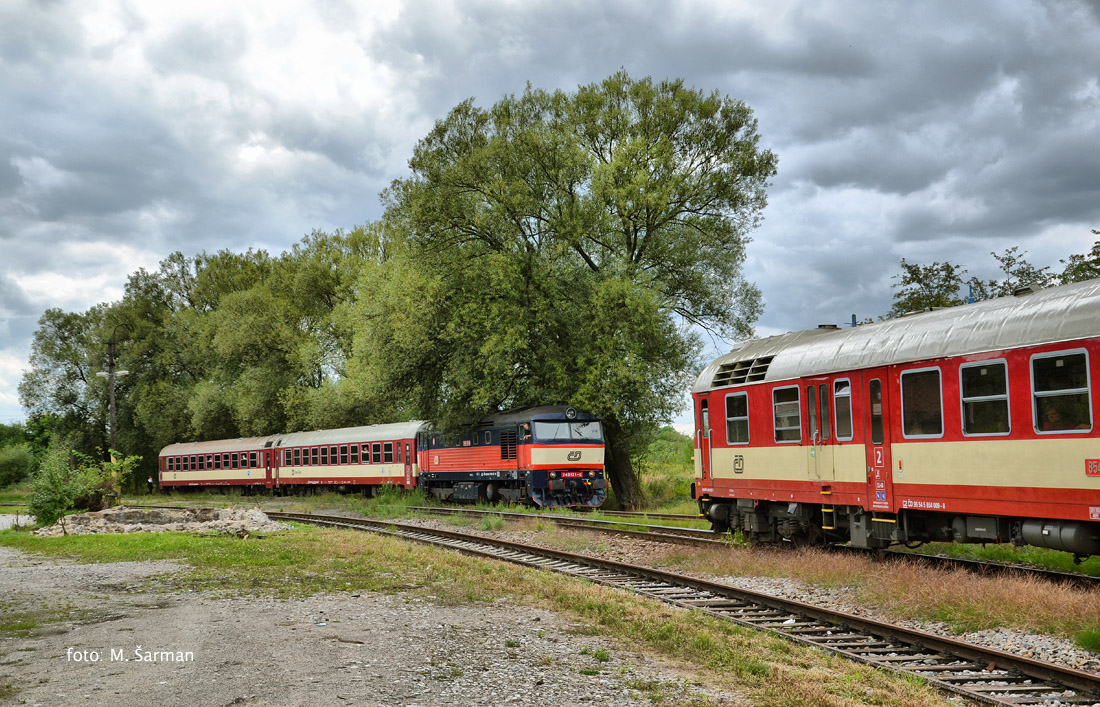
{"x": 68, "y": 481}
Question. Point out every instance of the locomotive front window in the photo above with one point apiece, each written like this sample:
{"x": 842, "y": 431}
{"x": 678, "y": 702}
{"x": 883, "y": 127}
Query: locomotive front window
{"x": 1060, "y": 391}
{"x": 788, "y": 419}
{"x": 566, "y": 431}
{"x": 985, "y": 398}
{"x": 842, "y": 394}
{"x": 921, "y": 403}
{"x": 737, "y": 418}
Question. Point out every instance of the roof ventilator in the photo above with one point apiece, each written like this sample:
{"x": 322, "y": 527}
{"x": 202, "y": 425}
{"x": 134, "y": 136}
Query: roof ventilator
{"x": 748, "y": 371}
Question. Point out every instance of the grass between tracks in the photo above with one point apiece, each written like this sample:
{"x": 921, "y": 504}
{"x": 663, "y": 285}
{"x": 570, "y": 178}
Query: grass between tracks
{"x": 761, "y": 668}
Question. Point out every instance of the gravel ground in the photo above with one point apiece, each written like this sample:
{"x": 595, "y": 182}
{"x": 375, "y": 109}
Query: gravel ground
{"x": 624, "y": 549}
{"x": 328, "y": 649}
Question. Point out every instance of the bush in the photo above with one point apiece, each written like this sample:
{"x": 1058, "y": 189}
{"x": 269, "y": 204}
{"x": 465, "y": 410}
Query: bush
{"x": 59, "y": 486}
{"x": 16, "y": 463}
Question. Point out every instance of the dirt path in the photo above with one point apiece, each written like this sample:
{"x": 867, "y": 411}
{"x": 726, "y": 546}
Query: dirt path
{"x": 329, "y": 649}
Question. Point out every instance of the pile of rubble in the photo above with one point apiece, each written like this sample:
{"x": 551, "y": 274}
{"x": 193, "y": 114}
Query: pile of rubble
{"x": 234, "y": 521}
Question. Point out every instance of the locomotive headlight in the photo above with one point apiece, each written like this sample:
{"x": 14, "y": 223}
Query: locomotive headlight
{"x": 591, "y": 473}
{"x": 570, "y": 413}
{"x": 553, "y": 474}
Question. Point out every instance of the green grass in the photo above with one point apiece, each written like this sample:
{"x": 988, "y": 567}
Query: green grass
{"x": 16, "y": 493}
{"x": 1007, "y": 553}
{"x": 762, "y": 668}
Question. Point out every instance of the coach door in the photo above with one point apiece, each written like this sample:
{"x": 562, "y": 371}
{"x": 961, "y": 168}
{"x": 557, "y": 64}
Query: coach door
{"x": 702, "y": 440}
{"x": 819, "y": 432}
{"x": 408, "y": 466}
{"x": 268, "y": 474}
{"x": 880, "y": 490}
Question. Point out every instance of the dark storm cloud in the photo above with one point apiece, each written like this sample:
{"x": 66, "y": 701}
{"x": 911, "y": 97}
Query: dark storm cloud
{"x": 930, "y": 131}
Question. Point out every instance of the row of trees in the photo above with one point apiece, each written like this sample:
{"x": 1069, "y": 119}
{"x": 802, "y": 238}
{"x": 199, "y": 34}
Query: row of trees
{"x": 920, "y": 287}
{"x": 554, "y": 248}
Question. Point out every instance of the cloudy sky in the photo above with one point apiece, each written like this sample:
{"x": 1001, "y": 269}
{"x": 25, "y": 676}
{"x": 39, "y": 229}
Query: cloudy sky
{"x": 929, "y": 131}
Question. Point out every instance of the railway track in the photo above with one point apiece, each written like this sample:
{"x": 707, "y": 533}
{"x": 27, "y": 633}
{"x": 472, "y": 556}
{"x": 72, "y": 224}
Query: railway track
{"x": 703, "y": 537}
{"x": 980, "y": 674}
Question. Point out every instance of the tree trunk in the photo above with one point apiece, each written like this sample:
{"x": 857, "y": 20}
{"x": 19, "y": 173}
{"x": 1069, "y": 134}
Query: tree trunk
{"x": 624, "y": 479}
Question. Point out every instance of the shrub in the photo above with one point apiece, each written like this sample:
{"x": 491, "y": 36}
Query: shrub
{"x": 16, "y": 463}
{"x": 59, "y": 486}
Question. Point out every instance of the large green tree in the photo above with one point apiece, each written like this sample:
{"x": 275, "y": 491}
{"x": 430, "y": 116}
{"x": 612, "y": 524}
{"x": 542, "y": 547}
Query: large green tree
{"x": 565, "y": 247}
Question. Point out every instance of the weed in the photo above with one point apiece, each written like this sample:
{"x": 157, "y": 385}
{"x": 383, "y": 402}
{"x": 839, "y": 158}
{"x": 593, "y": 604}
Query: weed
{"x": 511, "y": 643}
{"x": 1088, "y": 639}
{"x": 601, "y": 655}
{"x": 492, "y": 522}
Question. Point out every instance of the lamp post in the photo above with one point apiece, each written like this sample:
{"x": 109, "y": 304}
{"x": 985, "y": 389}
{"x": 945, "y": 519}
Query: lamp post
{"x": 110, "y": 374}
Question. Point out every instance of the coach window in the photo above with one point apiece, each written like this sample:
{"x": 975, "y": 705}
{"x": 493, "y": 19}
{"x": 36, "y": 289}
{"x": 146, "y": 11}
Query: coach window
{"x": 811, "y": 410}
{"x": 737, "y": 418}
{"x": 1060, "y": 392}
{"x": 202, "y": 462}
{"x": 217, "y": 461}
{"x": 234, "y": 460}
{"x": 842, "y": 394}
{"x": 704, "y": 414}
{"x": 343, "y": 454}
{"x": 788, "y": 418}
{"x": 252, "y": 460}
{"x": 984, "y": 392}
{"x": 824, "y": 389}
{"x": 225, "y": 460}
{"x": 376, "y": 452}
{"x": 874, "y": 396}
{"x": 168, "y": 464}
{"x": 183, "y": 465}
{"x": 387, "y": 452}
{"x": 921, "y": 403}
{"x": 324, "y": 456}
{"x": 354, "y": 454}
{"x": 398, "y": 456}
{"x": 288, "y": 457}
{"x": 297, "y": 456}
{"x": 332, "y": 451}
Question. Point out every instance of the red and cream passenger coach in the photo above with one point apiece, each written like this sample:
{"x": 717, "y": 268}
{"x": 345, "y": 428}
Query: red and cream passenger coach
{"x": 970, "y": 424}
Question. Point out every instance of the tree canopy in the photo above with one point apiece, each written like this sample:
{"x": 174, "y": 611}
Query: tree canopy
{"x": 558, "y": 248}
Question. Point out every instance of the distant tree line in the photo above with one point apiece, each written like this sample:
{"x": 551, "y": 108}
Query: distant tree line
{"x": 920, "y": 287}
{"x": 556, "y": 247}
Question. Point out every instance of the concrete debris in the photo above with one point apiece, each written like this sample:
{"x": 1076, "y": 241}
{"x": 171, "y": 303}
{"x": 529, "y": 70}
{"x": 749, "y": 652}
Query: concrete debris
{"x": 233, "y": 521}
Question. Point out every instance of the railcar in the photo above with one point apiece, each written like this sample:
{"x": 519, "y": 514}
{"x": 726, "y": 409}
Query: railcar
{"x": 549, "y": 456}
{"x": 971, "y": 424}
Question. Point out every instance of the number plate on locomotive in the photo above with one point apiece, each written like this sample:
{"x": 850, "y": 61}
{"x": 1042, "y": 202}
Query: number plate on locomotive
{"x": 572, "y": 474}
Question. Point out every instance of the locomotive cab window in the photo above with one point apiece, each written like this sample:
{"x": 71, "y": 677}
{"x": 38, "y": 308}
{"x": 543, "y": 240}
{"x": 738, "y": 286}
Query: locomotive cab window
{"x": 842, "y": 403}
{"x": 788, "y": 417}
{"x": 1060, "y": 392}
{"x": 737, "y": 418}
{"x": 984, "y": 392}
{"x": 921, "y": 403}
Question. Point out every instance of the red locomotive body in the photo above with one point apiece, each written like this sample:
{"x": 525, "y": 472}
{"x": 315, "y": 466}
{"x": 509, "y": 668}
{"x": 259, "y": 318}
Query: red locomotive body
{"x": 970, "y": 424}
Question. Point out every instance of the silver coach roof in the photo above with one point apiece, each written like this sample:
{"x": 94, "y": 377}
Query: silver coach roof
{"x": 366, "y": 433}
{"x": 241, "y": 444}
{"x": 1062, "y": 313}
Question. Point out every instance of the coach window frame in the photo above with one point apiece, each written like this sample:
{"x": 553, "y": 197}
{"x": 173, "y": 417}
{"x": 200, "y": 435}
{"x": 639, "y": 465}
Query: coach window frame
{"x": 1006, "y": 397}
{"x": 745, "y": 417}
{"x": 343, "y": 454}
{"x": 253, "y": 460}
{"x": 850, "y": 419}
{"x": 1035, "y": 395}
{"x": 798, "y": 413}
{"x": 376, "y": 452}
{"x": 353, "y": 451}
{"x": 939, "y": 390}
{"x": 387, "y": 452}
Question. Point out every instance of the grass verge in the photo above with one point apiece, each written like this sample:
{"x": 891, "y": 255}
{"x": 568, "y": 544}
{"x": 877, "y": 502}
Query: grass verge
{"x": 763, "y": 668}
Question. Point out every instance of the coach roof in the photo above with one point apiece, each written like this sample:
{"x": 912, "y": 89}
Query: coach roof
{"x": 1064, "y": 313}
